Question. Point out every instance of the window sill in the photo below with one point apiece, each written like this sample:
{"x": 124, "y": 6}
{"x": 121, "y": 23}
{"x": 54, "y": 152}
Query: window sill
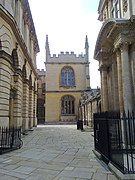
{"x": 67, "y": 87}
{"x": 68, "y": 115}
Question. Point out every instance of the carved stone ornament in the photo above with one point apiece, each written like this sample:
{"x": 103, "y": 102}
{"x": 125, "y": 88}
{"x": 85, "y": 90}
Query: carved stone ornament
{"x": 125, "y": 5}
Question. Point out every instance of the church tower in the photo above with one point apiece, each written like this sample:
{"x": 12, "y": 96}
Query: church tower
{"x": 67, "y": 76}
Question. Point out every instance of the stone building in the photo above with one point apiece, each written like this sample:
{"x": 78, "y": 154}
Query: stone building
{"x": 18, "y": 76}
{"x": 90, "y": 103}
{"x": 67, "y": 75}
{"x": 41, "y": 86}
{"x": 115, "y": 51}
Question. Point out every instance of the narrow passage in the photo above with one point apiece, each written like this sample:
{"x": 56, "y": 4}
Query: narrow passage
{"x": 54, "y": 152}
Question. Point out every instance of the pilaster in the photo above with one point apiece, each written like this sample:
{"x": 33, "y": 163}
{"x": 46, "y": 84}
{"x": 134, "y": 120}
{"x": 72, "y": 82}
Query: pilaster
{"x": 25, "y": 112}
{"x": 31, "y": 106}
{"x": 133, "y": 70}
{"x": 120, "y": 88}
{"x": 35, "y": 109}
{"x": 114, "y": 85}
{"x": 17, "y": 118}
{"x": 126, "y": 78}
{"x": 104, "y": 87}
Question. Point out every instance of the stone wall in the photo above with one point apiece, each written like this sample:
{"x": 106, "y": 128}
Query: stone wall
{"x": 18, "y": 76}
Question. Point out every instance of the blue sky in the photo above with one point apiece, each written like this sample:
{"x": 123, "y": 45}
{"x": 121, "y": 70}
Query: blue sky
{"x": 67, "y": 22}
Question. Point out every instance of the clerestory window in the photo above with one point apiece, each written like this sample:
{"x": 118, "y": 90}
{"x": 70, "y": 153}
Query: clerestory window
{"x": 67, "y": 77}
{"x": 67, "y": 105}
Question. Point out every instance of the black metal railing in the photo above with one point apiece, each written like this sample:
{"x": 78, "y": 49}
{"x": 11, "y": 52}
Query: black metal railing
{"x": 10, "y": 139}
{"x": 114, "y": 137}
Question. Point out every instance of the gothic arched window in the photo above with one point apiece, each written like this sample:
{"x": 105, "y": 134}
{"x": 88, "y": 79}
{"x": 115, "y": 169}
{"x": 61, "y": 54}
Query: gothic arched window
{"x": 67, "y": 77}
{"x": 67, "y": 105}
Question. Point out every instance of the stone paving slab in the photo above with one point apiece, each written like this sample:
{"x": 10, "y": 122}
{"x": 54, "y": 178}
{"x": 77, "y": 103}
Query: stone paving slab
{"x": 54, "y": 152}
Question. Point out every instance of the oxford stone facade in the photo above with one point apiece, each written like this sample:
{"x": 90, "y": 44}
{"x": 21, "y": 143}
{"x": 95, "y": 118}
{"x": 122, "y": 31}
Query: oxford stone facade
{"x": 115, "y": 51}
{"x": 18, "y": 76}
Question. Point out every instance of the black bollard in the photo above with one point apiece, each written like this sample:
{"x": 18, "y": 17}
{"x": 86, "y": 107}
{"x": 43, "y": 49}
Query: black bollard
{"x": 78, "y": 124}
{"x": 81, "y": 125}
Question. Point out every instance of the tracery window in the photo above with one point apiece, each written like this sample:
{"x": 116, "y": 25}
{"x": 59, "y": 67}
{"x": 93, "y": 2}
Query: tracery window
{"x": 115, "y": 10}
{"x": 67, "y": 77}
{"x": 67, "y": 105}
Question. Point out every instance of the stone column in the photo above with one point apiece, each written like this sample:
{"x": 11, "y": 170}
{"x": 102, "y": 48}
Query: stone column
{"x": 83, "y": 118}
{"x": 31, "y": 103}
{"x": 104, "y": 88}
{"x": 101, "y": 90}
{"x": 35, "y": 109}
{"x": 18, "y": 101}
{"x": 133, "y": 70}
{"x": 120, "y": 89}
{"x": 79, "y": 111}
{"x": 126, "y": 78}
{"x": 110, "y": 89}
{"x": 25, "y": 105}
{"x": 87, "y": 113}
{"x": 115, "y": 85}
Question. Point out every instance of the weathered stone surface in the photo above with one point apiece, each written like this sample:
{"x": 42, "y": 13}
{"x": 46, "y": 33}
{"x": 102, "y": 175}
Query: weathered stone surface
{"x": 58, "y": 152}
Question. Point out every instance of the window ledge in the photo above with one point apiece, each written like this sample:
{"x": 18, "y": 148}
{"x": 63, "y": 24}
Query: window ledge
{"x": 68, "y": 115}
{"x": 67, "y": 87}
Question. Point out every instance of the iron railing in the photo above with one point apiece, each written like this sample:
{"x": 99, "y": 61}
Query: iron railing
{"x": 114, "y": 137}
{"x": 10, "y": 139}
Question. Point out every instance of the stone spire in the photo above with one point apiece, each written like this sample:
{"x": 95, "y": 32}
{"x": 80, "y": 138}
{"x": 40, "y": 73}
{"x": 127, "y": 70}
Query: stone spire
{"x": 47, "y": 48}
{"x": 87, "y": 49}
{"x": 86, "y": 43}
{"x": 87, "y": 65}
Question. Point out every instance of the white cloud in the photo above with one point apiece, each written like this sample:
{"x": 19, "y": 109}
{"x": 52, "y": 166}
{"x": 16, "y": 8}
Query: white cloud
{"x": 67, "y": 24}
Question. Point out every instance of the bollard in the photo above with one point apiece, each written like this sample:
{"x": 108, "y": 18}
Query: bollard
{"x": 81, "y": 125}
{"x": 78, "y": 125}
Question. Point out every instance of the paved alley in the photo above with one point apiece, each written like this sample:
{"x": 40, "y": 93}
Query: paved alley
{"x": 54, "y": 152}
